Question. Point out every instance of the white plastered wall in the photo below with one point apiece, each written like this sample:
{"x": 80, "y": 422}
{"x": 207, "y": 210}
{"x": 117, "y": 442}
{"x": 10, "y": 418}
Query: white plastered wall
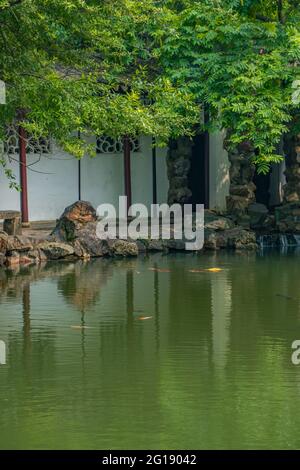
{"x": 53, "y": 180}
{"x": 219, "y": 180}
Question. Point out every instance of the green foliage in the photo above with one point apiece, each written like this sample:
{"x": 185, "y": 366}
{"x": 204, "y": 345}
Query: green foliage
{"x": 89, "y": 66}
{"x": 240, "y": 58}
{"x": 121, "y": 67}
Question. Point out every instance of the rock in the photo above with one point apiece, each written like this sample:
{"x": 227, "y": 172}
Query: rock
{"x": 42, "y": 255}
{"x": 282, "y": 227}
{"x": 155, "y": 245}
{"x": 13, "y": 259}
{"x": 237, "y": 204}
{"x": 291, "y": 191}
{"x": 241, "y": 239}
{"x": 18, "y": 257}
{"x": 80, "y": 250}
{"x": 88, "y": 242}
{"x": 215, "y": 222}
{"x": 80, "y": 212}
{"x": 269, "y": 223}
{"x": 56, "y": 250}
{"x": 24, "y": 259}
{"x": 123, "y": 248}
{"x": 288, "y": 217}
{"x": 74, "y": 218}
{"x": 13, "y": 226}
{"x": 175, "y": 245}
{"x": 258, "y": 214}
{"x": 77, "y": 226}
{"x": 236, "y": 238}
{"x": 179, "y": 164}
{"x": 142, "y": 245}
{"x": 210, "y": 240}
{"x": 179, "y": 195}
{"x": 243, "y": 220}
{"x": 37, "y": 256}
{"x": 293, "y": 172}
{"x": 3, "y": 242}
{"x": 19, "y": 243}
{"x": 242, "y": 189}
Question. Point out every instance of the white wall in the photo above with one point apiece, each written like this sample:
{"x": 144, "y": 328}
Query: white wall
{"x": 53, "y": 181}
{"x": 9, "y": 199}
{"x": 102, "y": 178}
{"x": 219, "y": 165}
{"x": 141, "y": 170}
{"x": 55, "y": 188}
{"x": 52, "y": 185}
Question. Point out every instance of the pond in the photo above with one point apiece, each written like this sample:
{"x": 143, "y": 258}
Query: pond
{"x": 152, "y": 353}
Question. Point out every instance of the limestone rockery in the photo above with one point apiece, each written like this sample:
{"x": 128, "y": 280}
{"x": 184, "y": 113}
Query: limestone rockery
{"x": 74, "y": 237}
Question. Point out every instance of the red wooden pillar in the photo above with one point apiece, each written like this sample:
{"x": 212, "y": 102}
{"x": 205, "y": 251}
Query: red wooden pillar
{"x": 23, "y": 175}
{"x": 127, "y": 170}
{"x": 154, "y": 172}
{"x": 79, "y": 172}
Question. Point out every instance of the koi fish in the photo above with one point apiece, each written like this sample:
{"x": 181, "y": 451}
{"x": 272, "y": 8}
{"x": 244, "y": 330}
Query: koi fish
{"x": 210, "y": 270}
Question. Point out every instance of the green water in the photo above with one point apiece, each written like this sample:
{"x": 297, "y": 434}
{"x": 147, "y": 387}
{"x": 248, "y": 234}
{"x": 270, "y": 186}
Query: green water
{"x": 211, "y": 367}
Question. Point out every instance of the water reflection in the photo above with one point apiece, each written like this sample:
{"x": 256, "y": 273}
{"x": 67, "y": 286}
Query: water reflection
{"x": 81, "y": 286}
{"x": 26, "y": 320}
{"x": 160, "y": 357}
{"x": 221, "y": 310}
{"x": 2, "y": 353}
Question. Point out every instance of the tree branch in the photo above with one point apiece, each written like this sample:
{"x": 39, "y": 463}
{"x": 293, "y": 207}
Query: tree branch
{"x": 280, "y": 11}
{"x": 11, "y": 4}
{"x": 264, "y": 18}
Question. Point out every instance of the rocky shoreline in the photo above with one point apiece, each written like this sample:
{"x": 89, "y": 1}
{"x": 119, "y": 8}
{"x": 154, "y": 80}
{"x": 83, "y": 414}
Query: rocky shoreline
{"x": 74, "y": 237}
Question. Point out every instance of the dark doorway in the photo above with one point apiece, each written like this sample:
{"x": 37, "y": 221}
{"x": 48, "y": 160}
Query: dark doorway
{"x": 262, "y": 183}
{"x": 198, "y": 175}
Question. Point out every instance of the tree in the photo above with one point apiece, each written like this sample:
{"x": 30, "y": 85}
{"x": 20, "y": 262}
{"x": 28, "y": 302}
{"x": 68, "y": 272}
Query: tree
{"x": 121, "y": 67}
{"x": 89, "y": 66}
{"x": 241, "y": 59}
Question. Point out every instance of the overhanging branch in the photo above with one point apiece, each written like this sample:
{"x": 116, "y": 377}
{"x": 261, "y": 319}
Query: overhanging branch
{"x": 11, "y": 4}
